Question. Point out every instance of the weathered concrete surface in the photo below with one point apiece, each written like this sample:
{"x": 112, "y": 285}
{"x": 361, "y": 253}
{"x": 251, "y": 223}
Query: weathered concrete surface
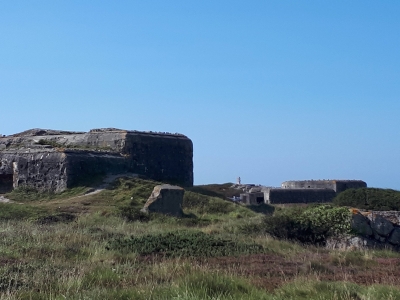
{"x": 166, "y": 199}
{"x": 42, "y": 169}
{"x": 305, "y": 191}
{"x": 281, "y": 196}
{"x": 336, "y": 185}
{"x": 55, "y": 160}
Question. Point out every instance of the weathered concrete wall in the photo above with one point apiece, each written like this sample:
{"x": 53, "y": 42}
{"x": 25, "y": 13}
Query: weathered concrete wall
{"x": 309, "y": 184}
{"x": 253, "y": 198}
{"x": 163, "y": 158}
{"x": 282, "y": 196}
{"x": 342, "y": 185}
{"x": 336, "y": 185}
{"x": 55, "y": 171}
{"x": 83, "y": 166}
{"x": 305, "y": 191}
{"x": 55, "y": 160}
{"x": 44, "y": 170}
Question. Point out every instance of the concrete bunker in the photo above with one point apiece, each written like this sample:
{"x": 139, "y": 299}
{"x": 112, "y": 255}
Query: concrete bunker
{"x": 55, "y": 160}
{"x": 305, "y": 191}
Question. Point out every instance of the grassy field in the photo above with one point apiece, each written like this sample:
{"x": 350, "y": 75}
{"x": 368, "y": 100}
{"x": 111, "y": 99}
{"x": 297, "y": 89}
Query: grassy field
{"x": 100, "y": 246}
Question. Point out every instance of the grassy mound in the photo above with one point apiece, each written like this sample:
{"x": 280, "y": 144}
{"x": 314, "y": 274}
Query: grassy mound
{"x": 369, "y": 198}
{"x": 70, "y": 247}
{"x": 28, "y": 194}
{"x": 216, "y": 190}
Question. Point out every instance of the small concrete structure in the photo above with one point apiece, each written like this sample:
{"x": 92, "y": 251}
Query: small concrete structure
{"x": 165, "y": 199}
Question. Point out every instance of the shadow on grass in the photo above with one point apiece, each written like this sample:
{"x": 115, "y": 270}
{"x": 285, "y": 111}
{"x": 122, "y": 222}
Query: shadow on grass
{"x": 58, "y": 218}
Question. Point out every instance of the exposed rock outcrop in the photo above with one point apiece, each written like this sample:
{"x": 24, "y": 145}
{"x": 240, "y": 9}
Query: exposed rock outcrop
{"x": 375, "y": 229}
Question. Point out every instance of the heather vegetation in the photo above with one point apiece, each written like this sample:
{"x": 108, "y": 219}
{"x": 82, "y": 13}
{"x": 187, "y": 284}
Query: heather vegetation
{"x": 369, "y": 198}
{"x": 75, "y": 245}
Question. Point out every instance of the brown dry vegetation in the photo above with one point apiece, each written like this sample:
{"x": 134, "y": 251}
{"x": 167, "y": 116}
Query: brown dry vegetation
{"x": 271, "y": 271}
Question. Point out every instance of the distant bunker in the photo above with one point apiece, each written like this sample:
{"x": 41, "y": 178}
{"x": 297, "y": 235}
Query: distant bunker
{"x": 306, "y": 191}
{"x": 55, "y": 160}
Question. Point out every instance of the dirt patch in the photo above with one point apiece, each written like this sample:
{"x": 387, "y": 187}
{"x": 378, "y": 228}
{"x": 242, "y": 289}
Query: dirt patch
{"x": 73, "y": 209}
{"x": 8, "y": 261}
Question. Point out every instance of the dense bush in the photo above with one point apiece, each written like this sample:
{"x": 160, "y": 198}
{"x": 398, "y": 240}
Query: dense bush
{"x": 183, "y": 244}
{"x": 308, "y": 225}
{"x": 369, "y": 198}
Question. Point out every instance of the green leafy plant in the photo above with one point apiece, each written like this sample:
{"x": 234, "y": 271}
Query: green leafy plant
{"x": 327, "y": 219}
{"x": 309, "y": 225}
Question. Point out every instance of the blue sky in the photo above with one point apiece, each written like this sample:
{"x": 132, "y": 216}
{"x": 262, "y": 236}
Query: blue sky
{"x": 267, "y": 90}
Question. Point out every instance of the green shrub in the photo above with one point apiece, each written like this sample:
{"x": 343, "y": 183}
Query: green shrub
{"x": 50, "y": 143}
{"x": 309, "y": 225}
{"x": 369, "y": 198}
{"x": 329, "y": 220}
{"x": 183, "y": 244}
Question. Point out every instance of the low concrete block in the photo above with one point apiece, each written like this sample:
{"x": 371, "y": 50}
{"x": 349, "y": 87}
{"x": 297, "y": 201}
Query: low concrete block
{"x": 166, "y": 199}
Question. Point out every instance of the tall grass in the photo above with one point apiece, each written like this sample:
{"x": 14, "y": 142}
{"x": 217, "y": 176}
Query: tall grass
{"x": 72, "y": 259}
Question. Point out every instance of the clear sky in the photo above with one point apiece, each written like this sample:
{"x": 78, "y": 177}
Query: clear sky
{"x": 267, "y": 90}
